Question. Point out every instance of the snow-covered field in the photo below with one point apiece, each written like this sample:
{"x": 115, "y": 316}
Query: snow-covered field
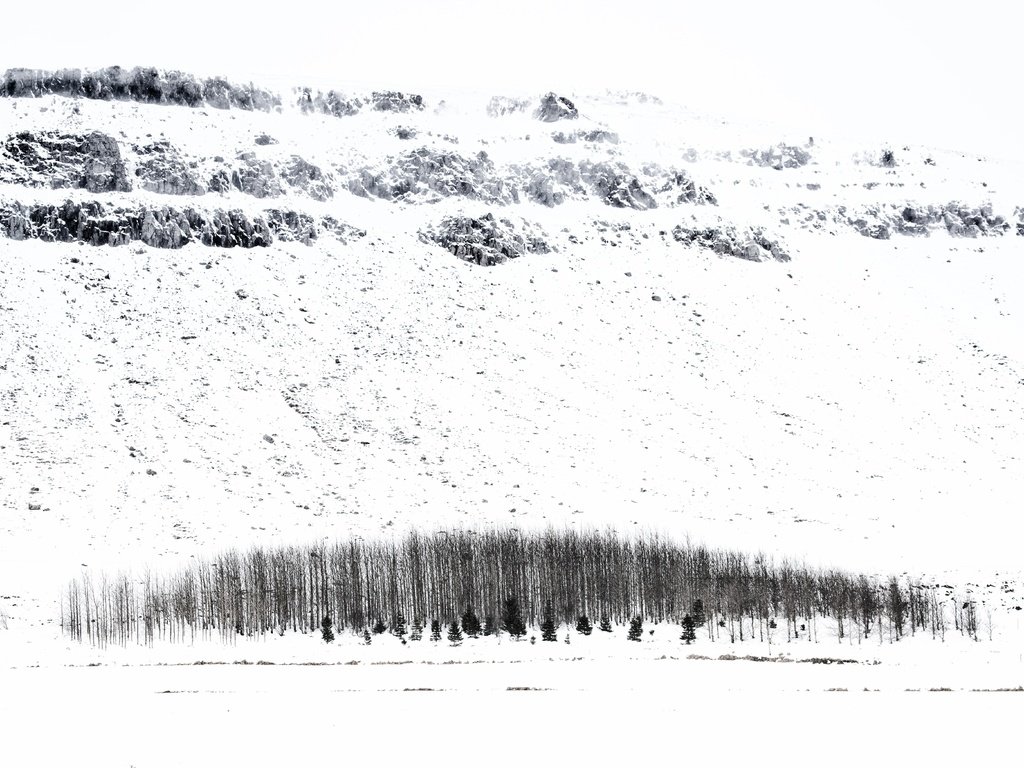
{"x": 857, "y": 406}
{"x": 618, "y": 711}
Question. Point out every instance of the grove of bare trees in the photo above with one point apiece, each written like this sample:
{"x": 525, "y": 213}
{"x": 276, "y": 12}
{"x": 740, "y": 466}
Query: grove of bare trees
{"x": 520, "y": 578}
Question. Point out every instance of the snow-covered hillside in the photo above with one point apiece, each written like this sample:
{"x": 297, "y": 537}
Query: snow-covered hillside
{"x": 466, "y": 308}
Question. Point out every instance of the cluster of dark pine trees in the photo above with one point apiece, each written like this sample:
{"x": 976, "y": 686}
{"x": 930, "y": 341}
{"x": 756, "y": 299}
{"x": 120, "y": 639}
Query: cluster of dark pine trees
{"x": 513, "y": 579}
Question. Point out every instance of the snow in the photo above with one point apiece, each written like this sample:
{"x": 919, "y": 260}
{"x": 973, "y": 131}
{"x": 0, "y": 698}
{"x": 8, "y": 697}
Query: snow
{"x": 859, "y": 406}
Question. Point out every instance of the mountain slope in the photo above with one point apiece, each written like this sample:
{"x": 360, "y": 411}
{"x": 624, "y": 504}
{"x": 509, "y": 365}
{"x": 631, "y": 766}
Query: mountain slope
{"x": 693, "y": 332}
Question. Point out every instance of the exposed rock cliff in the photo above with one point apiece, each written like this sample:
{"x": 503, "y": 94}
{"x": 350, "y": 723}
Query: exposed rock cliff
{"x": 485, "y": 240}
{"x": 96, "y": 223}
{"x": 60, "y": 160}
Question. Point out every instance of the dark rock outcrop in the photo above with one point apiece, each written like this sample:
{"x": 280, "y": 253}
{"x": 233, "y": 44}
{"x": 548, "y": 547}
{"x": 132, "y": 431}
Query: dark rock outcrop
{"x": 253, "y": 177}
{"x": 307, "y": 177}
{"x": 396, "y": 101}
{"x": 162, "y": 170}
{"x": 290, "y": 225}
{"x": 330, "y": 103}
{"x": 553, "y": 183}
{"x": 58, "y": 160}
{"x": 554, "y": 107}
{"x": 484, "y": 240}
{"x": 560, "y": 179}
{"x": 683, "y": 189}
{"x": 143, "y": 84}
{"x": 427, "y": 170}
{"x": 874, "y": 229}
{"x": 616, "y": 185}
{"x": 956, "y": 219}
{"x": 95, "y": 223}
{"x": 752, "y": 245}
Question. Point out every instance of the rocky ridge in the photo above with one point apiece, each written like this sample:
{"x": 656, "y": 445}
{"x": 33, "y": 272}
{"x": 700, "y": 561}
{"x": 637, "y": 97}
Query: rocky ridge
{"x": 485, "y": 240}
{"x": 587, "y": 165}
{"x": 96, "y": 223}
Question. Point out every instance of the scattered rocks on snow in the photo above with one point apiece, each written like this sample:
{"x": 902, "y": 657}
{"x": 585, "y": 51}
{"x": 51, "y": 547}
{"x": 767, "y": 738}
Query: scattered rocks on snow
{"x": 634, "y": 97}
{"x": 874, "y": 229}
{"x": 500, "y": 106}
{"x": 596, "y": 136}
{"x": 264, "y": 140}
{"x": 342, "y": 231}
{"x": 751, "y": 245}
{"x": 778, "y": 157}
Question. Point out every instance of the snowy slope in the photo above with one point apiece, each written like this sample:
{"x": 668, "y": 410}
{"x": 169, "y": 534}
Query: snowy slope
{"x": 859, "y": 404}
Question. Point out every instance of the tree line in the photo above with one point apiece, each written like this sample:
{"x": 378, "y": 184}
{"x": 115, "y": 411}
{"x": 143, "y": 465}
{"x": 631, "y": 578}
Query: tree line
{"x": 549, "y": 577}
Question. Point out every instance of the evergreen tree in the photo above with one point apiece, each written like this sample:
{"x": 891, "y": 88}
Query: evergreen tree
{"x": 698, "y": 613}
{"x": 435, "y": 629}
{"x": 326, "y": 631}
{"x": 417, "y": 629}
{"x": 380, "y": 627}
{"x": 454, "y": 633}
{"x": 490, "y": 626}
{"x": 689, "y": 629}
{"x": 470, "y": 622}
{"x": 897, "y": 606}
{"x": 512, "y": 618}
{"x": 606, "y": 624}
{"x": 636, "y": 629}
{"x": 398, "y": 626}
{"x": 547, "y": 627}
{"x": 583, "y": 625}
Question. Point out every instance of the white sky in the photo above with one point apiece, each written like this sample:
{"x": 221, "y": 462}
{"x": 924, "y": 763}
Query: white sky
{"x": 927, "y": 70}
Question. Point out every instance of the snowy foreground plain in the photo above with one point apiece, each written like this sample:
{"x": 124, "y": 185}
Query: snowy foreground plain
{"x": 859, "y": 406}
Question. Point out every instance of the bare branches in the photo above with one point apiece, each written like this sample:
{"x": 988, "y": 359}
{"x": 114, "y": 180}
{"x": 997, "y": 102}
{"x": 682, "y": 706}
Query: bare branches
{"x": 514, "y": 576}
